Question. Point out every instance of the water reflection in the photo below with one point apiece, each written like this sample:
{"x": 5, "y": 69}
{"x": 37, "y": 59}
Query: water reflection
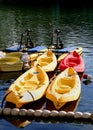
{"x": 21, "y": 122}
{"x": 9, "y": 75}
{"x": 18, "y": 122}
{"x": 75, "y": 24}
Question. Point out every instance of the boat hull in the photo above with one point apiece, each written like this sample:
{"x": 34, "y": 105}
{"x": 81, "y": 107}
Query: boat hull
{"x": 47, "y": 61}
{"x": 28, "y": 87}
{"x": 79, "y": 50}
{"x": 74, "y": 60}
{"x": 66, "y": 87}
{"x": 9, "y": 64}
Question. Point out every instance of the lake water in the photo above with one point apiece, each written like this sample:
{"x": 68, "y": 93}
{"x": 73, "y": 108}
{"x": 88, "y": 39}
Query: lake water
{"x": 76, "y": 27}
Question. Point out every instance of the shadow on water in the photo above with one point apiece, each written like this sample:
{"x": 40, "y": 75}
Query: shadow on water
{"x": 9, "y": 75}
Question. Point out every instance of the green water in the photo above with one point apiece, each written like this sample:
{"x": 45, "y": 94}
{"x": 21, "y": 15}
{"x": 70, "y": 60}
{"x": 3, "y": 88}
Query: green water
{"x": 75, "y": 24}
{"x": 76, "y": 27}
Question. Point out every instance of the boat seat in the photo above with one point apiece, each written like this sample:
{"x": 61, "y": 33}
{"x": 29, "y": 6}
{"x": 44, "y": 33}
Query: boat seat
{"x": 67, "y": 81}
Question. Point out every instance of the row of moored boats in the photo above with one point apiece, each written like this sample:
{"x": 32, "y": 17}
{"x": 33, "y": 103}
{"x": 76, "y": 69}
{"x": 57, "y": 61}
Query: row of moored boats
{"x": 62, "y": 87}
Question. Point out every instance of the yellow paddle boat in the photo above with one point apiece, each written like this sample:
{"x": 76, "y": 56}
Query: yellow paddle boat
{"x": 66, "y": 87}
{"x": 34, "y": 56}
{"x": 8, "y": 64}
{"x": 47, "y": 61}
{"x": 28, "y": 87}
{"x": 14, "y": 54}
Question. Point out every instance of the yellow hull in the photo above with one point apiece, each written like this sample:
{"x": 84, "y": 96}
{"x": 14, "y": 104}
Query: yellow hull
{"x": 29, "y": 87}
{"x": 33, "y": 56}
{"x": 8, "y": 64}
{"x": 78, "y": 49}
{"x": 14, "y": 54}
{"x": 69, "y": 106}
{"x": 47, "y": 61}
{"x": 66, "y": 87}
